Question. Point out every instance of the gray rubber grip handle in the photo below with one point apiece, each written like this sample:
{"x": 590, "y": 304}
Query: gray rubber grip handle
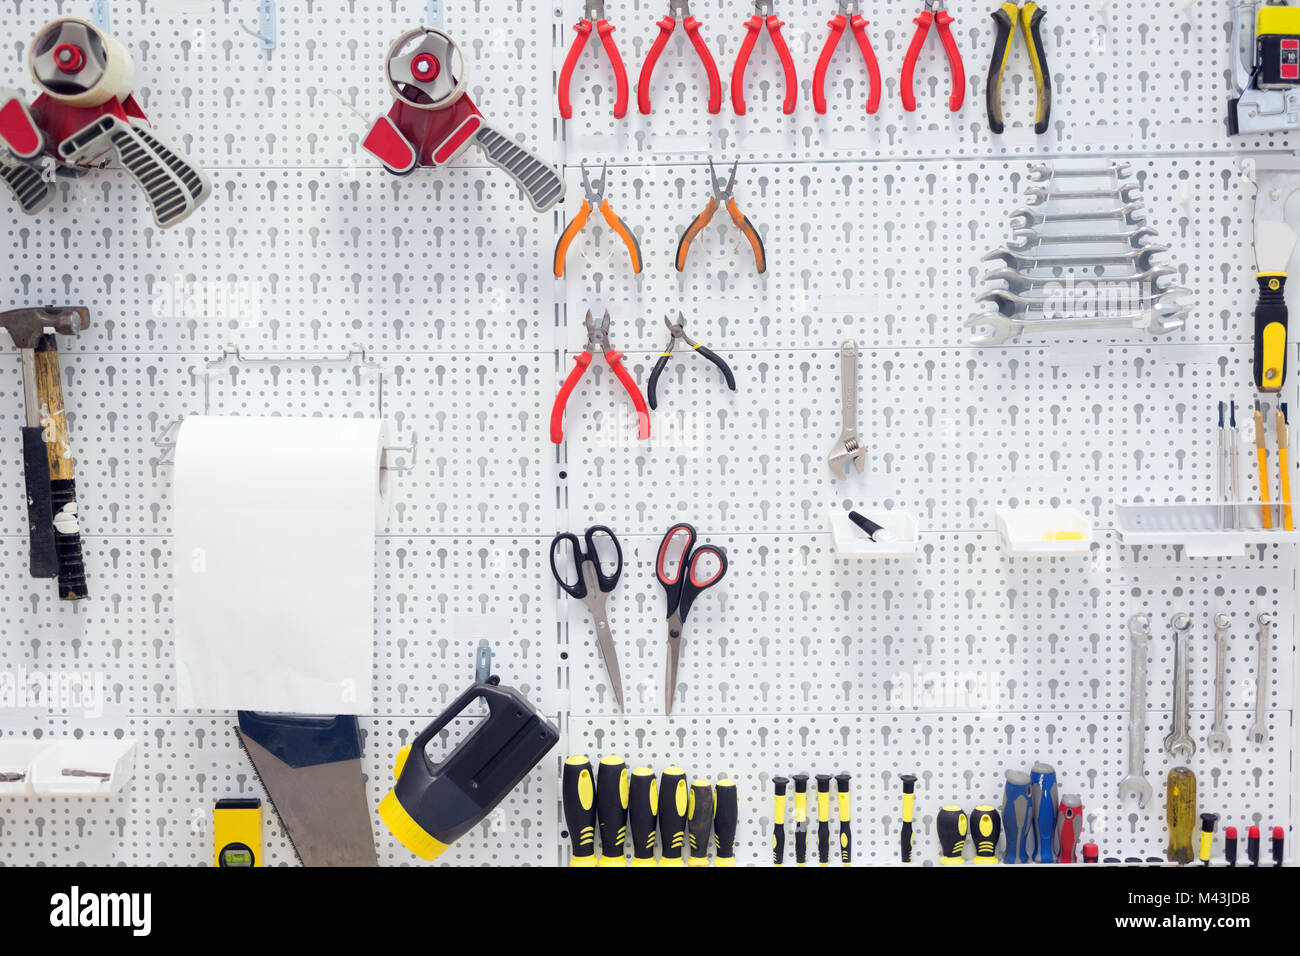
{"x": 43, "y": 561}
{"x": 540, "y": 181}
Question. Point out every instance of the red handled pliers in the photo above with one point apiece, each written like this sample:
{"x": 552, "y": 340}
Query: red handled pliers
{"x": 850, "y": 17}
{"x": 692, "y": 27}
{"x": 763, "y": 16}
{"x": 598, "y": 341}
{"x": 594, "y": 17}
{"x": 934, "y": 12}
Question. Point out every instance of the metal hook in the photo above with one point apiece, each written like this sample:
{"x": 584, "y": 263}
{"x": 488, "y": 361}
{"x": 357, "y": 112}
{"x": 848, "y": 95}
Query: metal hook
{"x": 265, "y": 32}
{"x": 101, "y": 14}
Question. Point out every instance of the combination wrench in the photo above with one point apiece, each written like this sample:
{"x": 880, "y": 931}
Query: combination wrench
{"x": 1217, "y": 739}
{"x": 1135, "y": 782}
{"x": 1180, "y": 741}
{"x": 1259, "y": 732}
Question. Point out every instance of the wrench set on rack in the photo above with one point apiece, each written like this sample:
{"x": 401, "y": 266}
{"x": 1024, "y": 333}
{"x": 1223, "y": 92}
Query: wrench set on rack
{"x": 1080, "y": 258}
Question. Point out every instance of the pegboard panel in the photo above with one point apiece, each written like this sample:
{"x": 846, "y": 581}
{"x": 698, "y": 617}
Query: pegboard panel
{"x": 875, "y": 230}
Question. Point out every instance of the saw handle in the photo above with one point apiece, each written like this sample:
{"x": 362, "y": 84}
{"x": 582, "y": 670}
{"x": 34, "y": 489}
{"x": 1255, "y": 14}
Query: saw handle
{"x": 43, "y": 561}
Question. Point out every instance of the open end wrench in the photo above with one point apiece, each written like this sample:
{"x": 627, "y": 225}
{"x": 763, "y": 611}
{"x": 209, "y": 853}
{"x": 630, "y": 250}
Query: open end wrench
{"x": 1135, "y": 783}
{"x": 1140, "y": 259}
{"x": 1040, "y": 195}
{"x": 1259, "y": 731}
{"x": 1180, "y": 741}
{"x": 1025, "y": 239}
{"x": 1042, "y": 172}
{"x": 998, "y": 328}
{"x": 1019, "y": 282}
{"x": 1217, "y": 739}
{"x": 1079, "y": 304}
{"x": 1129, "y": 213}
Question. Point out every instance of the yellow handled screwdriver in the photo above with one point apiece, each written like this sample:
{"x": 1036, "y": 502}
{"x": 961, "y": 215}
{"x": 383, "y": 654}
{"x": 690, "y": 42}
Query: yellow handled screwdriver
{"x": 800, "y": 818}
{"x": 823, "y": 819}
{"x": 726, "y": 814}
{"x": 700, "y": 813}
{"x": 842, "y": 798}
{"x": 578, "y": 789}
{"x": 672, "y": 816}
{"x": 1208, "y": 820}
{"x": 642, "y": 809}
{"x": 1283, "y": 467}
{"x": 909, "y": 787}
{"x": 611, "y": 810}
{"x": 951, "y": 825}
{"x": 1180, "y": 814}
{"x": 778, "y": 820}
{"x": 1261, "y": 453}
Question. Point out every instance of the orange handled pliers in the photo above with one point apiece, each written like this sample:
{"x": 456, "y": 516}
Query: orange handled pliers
{"x": 596, "y": 200}
{"x": 593, "y": 17}
{"x": 722, "y": 197}
{"x": 598, "y": 341}
{"x": 763, "y": 16}
{"x": 935, "y": 13}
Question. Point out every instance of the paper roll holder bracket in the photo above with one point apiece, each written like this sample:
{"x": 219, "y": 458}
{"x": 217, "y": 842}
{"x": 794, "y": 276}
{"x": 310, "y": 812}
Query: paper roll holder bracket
{"x": 231, "y": 356}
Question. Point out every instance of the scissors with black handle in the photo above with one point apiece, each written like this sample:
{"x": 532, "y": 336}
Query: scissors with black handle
{"x": 693, "y": 570}
{"x": 589, "y": 583}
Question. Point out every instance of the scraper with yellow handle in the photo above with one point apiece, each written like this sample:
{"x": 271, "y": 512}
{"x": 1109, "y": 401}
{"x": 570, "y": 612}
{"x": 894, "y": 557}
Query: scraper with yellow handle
{"x": 1275, "y": 182}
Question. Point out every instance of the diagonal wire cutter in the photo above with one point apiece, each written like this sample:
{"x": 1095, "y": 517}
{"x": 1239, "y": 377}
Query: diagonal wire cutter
{"x": 678, "y": 332}
{"x": 598, "y": 341}
{"x": 722, "y": 196}
{"x": 595, "y": 199}
{"x": 935, "y": 12}
{"x": 1030, "y": 17}
{"x": 593, "y": 18}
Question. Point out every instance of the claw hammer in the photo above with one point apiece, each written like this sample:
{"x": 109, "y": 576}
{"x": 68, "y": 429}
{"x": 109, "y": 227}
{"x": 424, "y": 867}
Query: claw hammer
{"x": 53, "y": 529}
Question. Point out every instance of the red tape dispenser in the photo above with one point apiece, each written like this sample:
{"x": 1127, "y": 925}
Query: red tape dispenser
{"x": 433, "y": 121}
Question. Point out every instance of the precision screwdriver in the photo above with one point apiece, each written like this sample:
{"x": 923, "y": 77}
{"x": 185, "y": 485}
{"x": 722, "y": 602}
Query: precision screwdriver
{"x": 778, "y": 821}
{"x": 909, "y": 788}
{"x": 1284, "y": 468}
{"x": 672, "y": 816}
{"x": 842, "y": 798}
{"x": 1278, "y": 835}
{"x": 1252, "y": 846}
{"x": 578, "y": 790}
{"x": 643, "y": 807}
{"x": 1208, "y": 820}
{"x": 611, "y": 810}
{"x": 823, "y": 819}
{"x": 700, "y": 813}
{"x": 726, "y": 813}
{"x": 1230, "y": 845}
{"x": 800, "y": 818}
{"x": 1261, "y": 455}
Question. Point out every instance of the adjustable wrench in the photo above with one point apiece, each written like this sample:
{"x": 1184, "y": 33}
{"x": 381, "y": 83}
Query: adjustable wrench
{"x": 1180, "y": 741}
{"x": 1135, "y": 783}
{"x": 1259, "y": 732}
{"x": 848, "y": 448}
{"x": 1217, "y": 739}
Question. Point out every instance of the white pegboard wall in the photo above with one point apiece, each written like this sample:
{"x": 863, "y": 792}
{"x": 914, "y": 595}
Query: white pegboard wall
{"x": 874, "y": 229}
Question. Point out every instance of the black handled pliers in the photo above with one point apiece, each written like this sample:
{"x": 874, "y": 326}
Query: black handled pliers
{"x": 679, "y": 333}
{"x": 1030, "y": 15}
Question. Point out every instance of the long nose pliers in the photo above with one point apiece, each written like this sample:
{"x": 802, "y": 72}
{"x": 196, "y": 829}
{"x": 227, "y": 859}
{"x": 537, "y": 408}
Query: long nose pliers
{"x": 595, "y": 199}
{"x": 722, "y": 196}
{"x": 1030, "y": 15}
{"x": 678, "y": 332}
{"x": 935, "y": 12}
{"x": 763, "y": 16}
{"x": 593, "y": 17}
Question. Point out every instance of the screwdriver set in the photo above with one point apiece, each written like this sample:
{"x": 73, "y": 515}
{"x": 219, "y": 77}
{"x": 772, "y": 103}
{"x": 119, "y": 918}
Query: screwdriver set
{"x": 823, "y": 410}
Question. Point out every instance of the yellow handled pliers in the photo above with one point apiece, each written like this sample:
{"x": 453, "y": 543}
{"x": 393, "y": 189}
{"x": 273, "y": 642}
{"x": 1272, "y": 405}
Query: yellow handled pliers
{"x": 1030, "y": 16}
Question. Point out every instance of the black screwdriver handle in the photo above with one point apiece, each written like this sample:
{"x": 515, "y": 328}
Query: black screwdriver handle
{"x": 43, "y": 559}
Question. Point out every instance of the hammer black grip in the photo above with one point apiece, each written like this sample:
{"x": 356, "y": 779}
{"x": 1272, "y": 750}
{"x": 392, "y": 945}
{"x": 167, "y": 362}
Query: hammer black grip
{"x": 67, "y": 540}
{"x": 44, "y": 561}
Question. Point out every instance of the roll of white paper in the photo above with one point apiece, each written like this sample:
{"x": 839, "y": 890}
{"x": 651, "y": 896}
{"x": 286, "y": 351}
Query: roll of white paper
{"x": 274, "y": 551}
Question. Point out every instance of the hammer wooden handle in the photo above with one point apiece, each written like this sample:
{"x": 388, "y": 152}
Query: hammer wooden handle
{"x": 63, "y": 488}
